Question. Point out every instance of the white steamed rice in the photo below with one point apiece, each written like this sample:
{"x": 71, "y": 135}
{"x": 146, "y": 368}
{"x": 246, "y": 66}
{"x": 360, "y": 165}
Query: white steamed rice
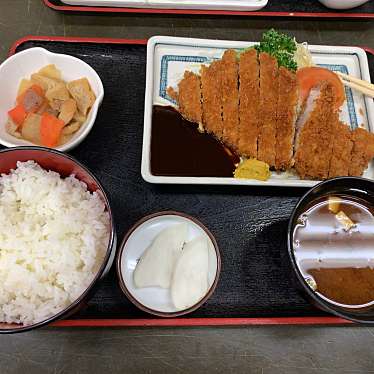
{"x": 53, "y": 238}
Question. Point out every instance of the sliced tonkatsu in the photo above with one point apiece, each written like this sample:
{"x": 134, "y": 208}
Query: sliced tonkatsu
{"x": 341, "y": 150}
{"x": 249, "y": 101}
{"x": 313, "y": 148}
{"x": 211, "y": 87}
{"x": 267, "y": 109}
{"x": 189, "y": 97}
{"x": 262, "y": 111}
{"x": 286, "y": 118}
{"x": 362, "y": 151}
{"x": 230, "y": 99}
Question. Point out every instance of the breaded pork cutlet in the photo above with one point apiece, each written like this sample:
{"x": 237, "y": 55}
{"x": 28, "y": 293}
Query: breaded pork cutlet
{"x": 189, "y": 97}
{"x": 211, "y": 85}
{"x": 249, "y": 100}
{"x": 362, "y": 152}
{"x": 314, "y": 141}
{"x": 341, "y": 150}
{"x": 230, "y": 99}
{"x": 286, "y": 118}
{"x": 251, "y": 105}
{"x": 267, "y": 109}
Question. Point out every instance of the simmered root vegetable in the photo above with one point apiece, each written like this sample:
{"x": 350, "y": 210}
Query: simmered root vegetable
{"x": 31, "y": 128}
{"x": 48, "y": 110}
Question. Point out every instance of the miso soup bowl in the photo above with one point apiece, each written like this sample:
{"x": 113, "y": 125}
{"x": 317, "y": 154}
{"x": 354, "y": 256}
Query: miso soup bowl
{"x": 350, "y": 186}
{"x": 65, "y": 165}
{"x": 22, "y": 65}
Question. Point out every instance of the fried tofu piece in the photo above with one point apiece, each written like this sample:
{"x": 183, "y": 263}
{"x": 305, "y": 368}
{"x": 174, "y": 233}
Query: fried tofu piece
{"x": 286, "y": 119}
{"x": 188, "y": 97}
{"x": 342, "y": 145}
{"x": 68, "y": 108}
{"x": 81, "y": 92}
{"x": 46, "y": 83}
{"x": 79, "y": 117}
{"x": 58, "y": 92}
{"x": 249, "y": 100}
{"x": 267, "y": 109}
{"x": 230, "y": 99}
{"x": 315, "y": 139}
{"x": 50, "y": 71}
{"x": 71, "y": 128}
{"x": 362, "y": 151}
{"x": 211, "y": 84}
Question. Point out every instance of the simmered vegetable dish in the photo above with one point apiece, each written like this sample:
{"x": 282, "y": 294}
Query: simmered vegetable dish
{"x": 48, "y": 110}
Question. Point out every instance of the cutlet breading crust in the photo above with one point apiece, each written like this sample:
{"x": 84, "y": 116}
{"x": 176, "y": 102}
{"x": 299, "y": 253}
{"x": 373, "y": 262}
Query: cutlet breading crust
{"x": 362, "y": 152}
{"x": 314, "y": 148}
{"x": 267, "y": 109}
{"x": 230, "y": 99}
{"x": 251, "y": 106}
{"x": 286, "y": 118}
{"x": 189, "y": 97}
{"x": 249, "y": 99}
{"x": 341, "y": 150}
{"x": 211, "y": 84}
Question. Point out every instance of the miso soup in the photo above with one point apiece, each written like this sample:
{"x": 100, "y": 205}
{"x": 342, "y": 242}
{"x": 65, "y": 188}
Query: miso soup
{"x": 333, "y": 244}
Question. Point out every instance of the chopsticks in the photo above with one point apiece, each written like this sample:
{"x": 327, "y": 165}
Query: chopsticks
{"x": 357, "y": 84}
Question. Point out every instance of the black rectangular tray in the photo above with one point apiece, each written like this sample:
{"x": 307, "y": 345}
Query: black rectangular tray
{"x": 249, "y": 223}
{"x": 274, "y": 8}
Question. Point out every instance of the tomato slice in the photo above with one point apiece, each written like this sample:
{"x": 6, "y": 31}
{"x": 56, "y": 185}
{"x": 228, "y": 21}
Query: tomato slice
{"x": 311, "y": 76}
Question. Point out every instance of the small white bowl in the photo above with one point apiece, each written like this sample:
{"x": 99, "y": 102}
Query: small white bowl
{"x": 156, "y": 300}
{"x": 342, "y": 4}
{"x": 22, "y": 65}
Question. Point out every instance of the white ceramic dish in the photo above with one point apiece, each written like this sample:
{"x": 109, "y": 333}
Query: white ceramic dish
{"x": 156, "y": 300}
{"x": 342, "y": 4}
{"x": 22, "y": 65}
{"x": 169, "y": 57}
{"x": 237, "y": 5}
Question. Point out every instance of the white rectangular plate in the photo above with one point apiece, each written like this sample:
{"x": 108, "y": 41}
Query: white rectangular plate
{"x": 237, "y": 5}
{"x": 168, "y": 58}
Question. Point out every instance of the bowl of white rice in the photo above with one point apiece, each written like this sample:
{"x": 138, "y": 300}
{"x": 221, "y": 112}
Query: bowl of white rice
{"x": 57, "y": 237}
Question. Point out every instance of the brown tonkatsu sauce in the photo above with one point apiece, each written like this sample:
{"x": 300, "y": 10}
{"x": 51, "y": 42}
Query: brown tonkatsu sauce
{"x": 179, "y": 149}
{"x": 339, "y": 260}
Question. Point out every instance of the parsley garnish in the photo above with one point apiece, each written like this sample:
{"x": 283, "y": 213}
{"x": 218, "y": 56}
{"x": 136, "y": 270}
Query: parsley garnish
{"x": 280, "y": 46}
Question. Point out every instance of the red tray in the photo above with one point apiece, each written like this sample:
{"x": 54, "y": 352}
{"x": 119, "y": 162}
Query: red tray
{"x": 60, "y": 6}
{"x": 137, "y": 319}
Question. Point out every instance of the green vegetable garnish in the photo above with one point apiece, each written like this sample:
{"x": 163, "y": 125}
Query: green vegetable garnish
{"x": 280, "y": 46}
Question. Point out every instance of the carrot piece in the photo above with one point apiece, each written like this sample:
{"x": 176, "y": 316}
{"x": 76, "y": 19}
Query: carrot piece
{"x": 50, "y": 130}
{"x": 309, "y": 77}
{"x": 18, "y": 114}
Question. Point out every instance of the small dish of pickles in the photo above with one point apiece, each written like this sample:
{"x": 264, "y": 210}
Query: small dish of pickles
{"x": 52, "y": 99}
